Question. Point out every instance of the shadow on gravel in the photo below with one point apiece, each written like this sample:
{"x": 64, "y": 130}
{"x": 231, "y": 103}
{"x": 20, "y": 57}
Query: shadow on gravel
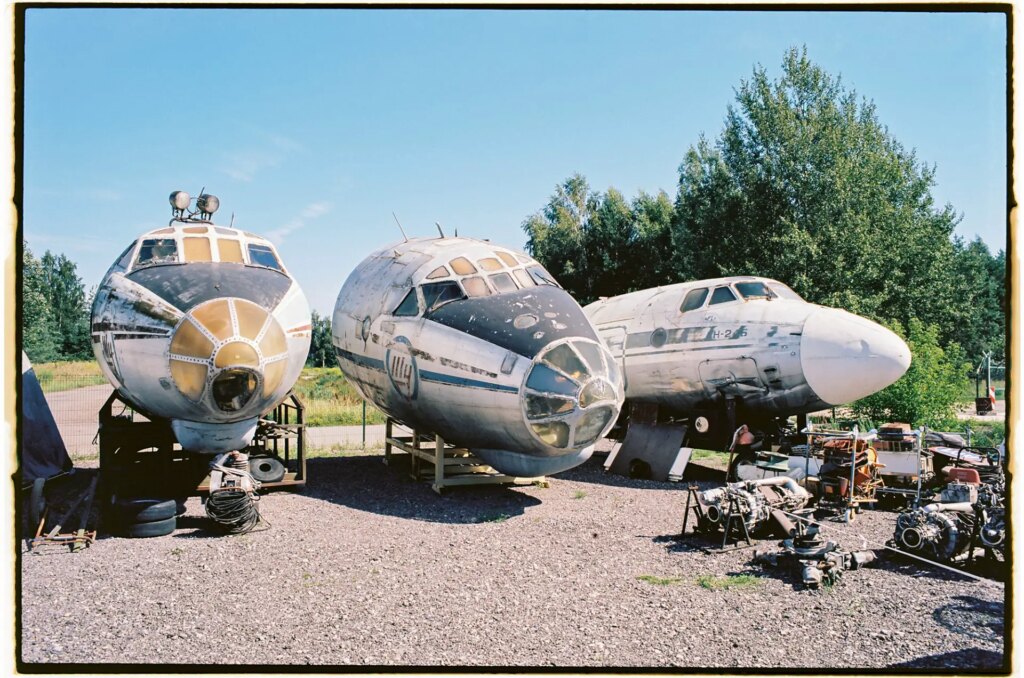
{"x": 972, "y": 617}
{"x": 894, "y": 562}
{"x": 365, "y": 483}
{"x": 593, "y": 471}
{"x": 950, "y": 662}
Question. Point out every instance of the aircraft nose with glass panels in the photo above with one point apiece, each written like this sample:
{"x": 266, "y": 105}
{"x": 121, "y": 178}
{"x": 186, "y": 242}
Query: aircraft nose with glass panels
{"x": 201, "y": 324}
{"x": 478, "y": 344}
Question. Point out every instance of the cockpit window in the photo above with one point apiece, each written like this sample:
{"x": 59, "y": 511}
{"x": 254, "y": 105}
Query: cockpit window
{"x": 754, "y": 290}
{"x": 523, "y": 277}
{"x": 722, "y": 295}
{"x": 157, "y": 251}
{"x": 509, "y": 260}
{"x": 410, "y": 305}
{"x": 439, "y": 272}
{"x": 542, "y": 277}
{"x": 694, "y": 299}
{"x": 476, "y": 287}
{"x": 784, "y": 291}
{"x": 125, "y": 258}
{"x": 490, "y": 264}
{"x": 503, "y": 282}
{"x": 438, "y": 294}
{"x": 262, "y": 255}
{"x": 462, "y": 266}
{"x": 197, "y": 249}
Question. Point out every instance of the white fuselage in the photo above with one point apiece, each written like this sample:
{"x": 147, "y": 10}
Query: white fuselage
{"x": 452, "y": 336}
{"x": 777, "y": 354}
{"x": 201, "y": 325}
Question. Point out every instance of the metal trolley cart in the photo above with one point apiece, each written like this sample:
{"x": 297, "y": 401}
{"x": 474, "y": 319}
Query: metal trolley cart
{"x": 906, "y": 465}
{"x": 847, "y": 470}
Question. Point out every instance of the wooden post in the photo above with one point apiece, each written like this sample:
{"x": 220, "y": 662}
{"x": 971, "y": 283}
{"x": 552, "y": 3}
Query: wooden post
{"x": 438, "y": 463}
{"x": 387, "y": 440}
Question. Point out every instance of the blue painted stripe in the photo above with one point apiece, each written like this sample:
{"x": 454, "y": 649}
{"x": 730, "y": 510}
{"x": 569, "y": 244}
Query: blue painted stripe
{"x": 462, "y": 381}
{"x": 361, "y": 360}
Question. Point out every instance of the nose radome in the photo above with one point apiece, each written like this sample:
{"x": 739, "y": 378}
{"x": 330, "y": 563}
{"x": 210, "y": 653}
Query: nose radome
{"x": 846, "y": 357}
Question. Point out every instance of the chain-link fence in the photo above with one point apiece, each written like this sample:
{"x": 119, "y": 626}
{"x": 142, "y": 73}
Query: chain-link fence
{"x": 75, "y": 393}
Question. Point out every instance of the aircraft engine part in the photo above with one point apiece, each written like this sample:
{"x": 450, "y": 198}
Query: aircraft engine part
{"x": 201, "y": 325}
{"x": 820, "y": 561}
{"x": 941, "y": 531}
{"x": 754, "y": 499}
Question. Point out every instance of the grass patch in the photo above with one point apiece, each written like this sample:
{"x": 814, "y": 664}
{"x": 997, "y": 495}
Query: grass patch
{"x": 659, "y": 581}
{"x": 731, "y": 581}
{"x": 65, "y": 376}
{"x": 345, "y": 450}
{"x": 330, "y": 399}
{"x": 494, "y": 518}
{"x": 579, "y": 494}
{"x": 705, "y": 454}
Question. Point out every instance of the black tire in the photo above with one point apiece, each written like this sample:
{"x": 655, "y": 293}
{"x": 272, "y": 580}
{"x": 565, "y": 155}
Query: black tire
{"x": 266, "y": 469}
{"x": 156, "y": 528}
{"x": 144, "y": 510}
{"x": 36, "y": 504}
{"x": 179, "y": 506}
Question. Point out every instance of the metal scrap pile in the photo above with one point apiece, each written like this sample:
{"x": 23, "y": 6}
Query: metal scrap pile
{"x": 756, "y": 503}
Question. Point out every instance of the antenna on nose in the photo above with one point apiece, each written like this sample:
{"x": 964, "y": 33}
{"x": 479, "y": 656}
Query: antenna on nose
{"x": 439, "y": 229}
{"x": 400, "y": 227}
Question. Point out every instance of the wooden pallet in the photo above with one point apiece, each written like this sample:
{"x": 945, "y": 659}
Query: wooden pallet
{"x": 430, "y": 457}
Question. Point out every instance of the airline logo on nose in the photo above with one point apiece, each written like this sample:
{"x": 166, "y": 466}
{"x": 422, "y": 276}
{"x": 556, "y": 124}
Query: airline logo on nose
{"x": 400, "y": 364}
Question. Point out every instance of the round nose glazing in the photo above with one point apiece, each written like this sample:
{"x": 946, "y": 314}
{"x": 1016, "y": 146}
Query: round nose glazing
{"x": 572, "y": 393}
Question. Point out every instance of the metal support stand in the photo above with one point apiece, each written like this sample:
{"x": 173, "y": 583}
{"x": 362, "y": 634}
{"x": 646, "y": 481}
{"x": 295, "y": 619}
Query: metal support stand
{"x": 734, "y": 515}
{"x": 692, "y": 504}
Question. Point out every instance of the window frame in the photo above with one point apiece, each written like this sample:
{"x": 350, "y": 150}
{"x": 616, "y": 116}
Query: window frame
{"x": 732, "y": 292}
{"x": 701, "y": 304}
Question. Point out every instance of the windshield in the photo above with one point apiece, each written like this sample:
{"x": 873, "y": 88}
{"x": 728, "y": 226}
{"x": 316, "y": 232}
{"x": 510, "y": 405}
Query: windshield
{"x": 542, "y": 277}
{"x": 784, "y": 291}
{"x": 438, "y": 294}
{"x": 754, "y": 290}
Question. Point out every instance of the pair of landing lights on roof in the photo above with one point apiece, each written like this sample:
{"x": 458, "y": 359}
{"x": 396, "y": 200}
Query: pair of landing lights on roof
{"x": 205, "y": 203}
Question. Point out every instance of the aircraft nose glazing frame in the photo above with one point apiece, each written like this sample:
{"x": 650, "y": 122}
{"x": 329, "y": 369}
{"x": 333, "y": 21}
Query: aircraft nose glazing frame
{"x": 571, "y": 394}
{"x": 226, "y": 336}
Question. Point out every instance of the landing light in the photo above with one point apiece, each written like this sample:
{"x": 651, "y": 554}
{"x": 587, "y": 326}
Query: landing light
{"x": 180, "y": 200}
{"x": 207, "y": 203}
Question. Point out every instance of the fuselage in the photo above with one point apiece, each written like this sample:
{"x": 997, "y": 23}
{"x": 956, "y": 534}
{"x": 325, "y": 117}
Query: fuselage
{"x": 202, "y": 325}
{"x": 477, "y": 343}
{"x": 692, "y": 345}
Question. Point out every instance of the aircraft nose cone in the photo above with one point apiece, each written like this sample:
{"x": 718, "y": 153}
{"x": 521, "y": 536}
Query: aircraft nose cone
{"x": 846, "y": 357}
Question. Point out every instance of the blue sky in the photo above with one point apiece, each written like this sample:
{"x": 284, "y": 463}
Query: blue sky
{"x": 313, "y": 126}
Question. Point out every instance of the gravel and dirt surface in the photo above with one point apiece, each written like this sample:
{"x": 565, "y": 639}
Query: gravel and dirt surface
{"x": 366, "y": 567}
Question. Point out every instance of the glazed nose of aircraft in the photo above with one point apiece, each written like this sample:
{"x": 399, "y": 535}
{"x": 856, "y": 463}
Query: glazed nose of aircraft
{"x": 846, "y": 357}
{"x": 572, "y": 393}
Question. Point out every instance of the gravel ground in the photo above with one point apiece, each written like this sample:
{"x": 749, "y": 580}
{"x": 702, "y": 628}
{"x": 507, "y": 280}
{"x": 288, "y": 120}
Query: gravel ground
{"x": 366, "y": 567}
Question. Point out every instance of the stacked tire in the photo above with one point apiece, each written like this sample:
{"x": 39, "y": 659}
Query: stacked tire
{"x": 138, "y": 517}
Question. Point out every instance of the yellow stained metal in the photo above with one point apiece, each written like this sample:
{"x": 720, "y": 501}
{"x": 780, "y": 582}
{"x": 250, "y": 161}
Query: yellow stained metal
{"x": 197, "y": 249}
{"x": 509, "y": 260}
{"x": 230, "y": 250}
{"x": 251, "y": 318}
{"x": 188, "y": 340}
{"x": 490, "y": 264}
{"x": 216, "y": 318}
{"x": 190, "y": 378}
{"x": 273, "y": 342}
{"x": 462, "y": 266}
{"x": 272, "y": 375}
{"x": 237, "y": 353}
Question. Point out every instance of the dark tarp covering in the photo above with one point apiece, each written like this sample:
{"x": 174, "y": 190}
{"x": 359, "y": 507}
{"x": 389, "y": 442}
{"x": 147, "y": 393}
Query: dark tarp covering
{"x": 42, "y": 452}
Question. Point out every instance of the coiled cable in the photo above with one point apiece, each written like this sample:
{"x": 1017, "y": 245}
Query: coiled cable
{"x": 233, "y": 506}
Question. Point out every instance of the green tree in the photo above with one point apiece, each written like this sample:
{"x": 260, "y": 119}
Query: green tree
{"x": 39, "y": 337}
{"x": 980, "y": 277}
{"x": 66, "y": 298}
{"x": 807, "y": 186}
{"x": 601, "y": 244}
{"x": 929, "y": 393}
{"x": 321, "y": 347}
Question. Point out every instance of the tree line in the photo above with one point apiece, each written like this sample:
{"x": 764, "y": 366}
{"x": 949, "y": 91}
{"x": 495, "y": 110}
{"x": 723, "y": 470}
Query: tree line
{"x": 805, "y": 185}
{"x": 55, "y": 309}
